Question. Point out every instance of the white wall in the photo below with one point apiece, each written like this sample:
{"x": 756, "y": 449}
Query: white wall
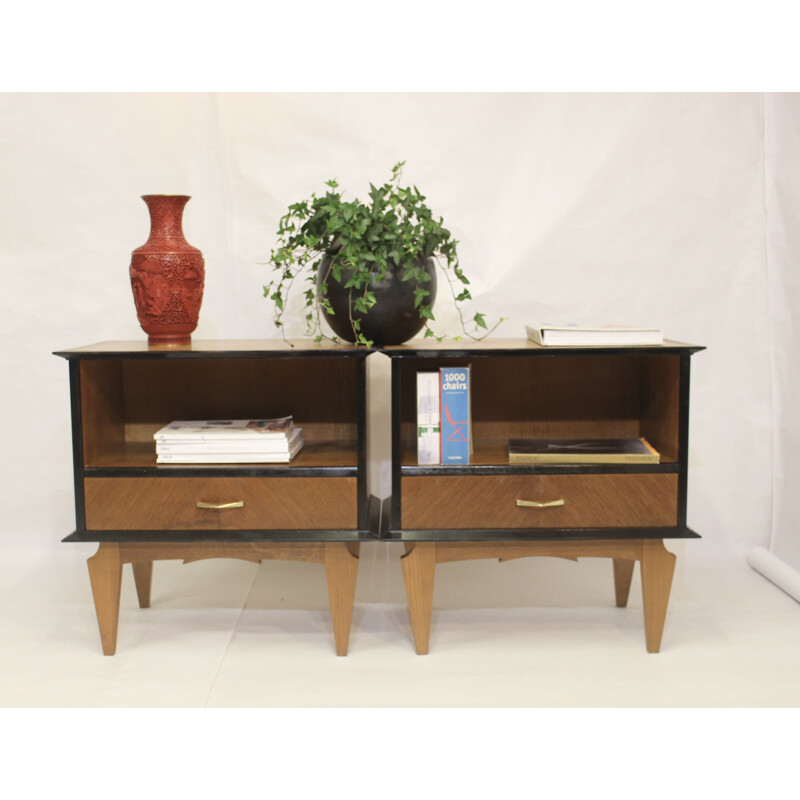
{"x": 617, "y": 208}
{"x": 782, "y": 161}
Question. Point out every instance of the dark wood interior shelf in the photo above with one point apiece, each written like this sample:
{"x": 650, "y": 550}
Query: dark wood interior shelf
{"x": 321, "y": 455}
{"x": 491, "y": 456}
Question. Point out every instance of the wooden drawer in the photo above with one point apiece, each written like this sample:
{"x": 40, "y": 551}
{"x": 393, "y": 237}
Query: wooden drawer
{"x": 164, "y": 504}
{"x": 484, "y": 501}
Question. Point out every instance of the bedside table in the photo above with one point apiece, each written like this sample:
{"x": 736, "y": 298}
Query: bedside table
{"x": 313, "y": 509}
{"x": 522, "y": 390}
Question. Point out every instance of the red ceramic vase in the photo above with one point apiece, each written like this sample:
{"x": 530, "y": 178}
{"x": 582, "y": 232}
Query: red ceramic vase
{"x": 167, "y": 274}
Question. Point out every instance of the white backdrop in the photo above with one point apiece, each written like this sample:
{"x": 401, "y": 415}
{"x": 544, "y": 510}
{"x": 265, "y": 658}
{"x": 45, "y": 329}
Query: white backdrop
{"x": 782, "y": 148}
{"x": 648, "y": 208}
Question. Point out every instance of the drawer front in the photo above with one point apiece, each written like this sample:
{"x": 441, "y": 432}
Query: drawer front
{"x": 164, "y": 504}
{"x": 589, "y": 501}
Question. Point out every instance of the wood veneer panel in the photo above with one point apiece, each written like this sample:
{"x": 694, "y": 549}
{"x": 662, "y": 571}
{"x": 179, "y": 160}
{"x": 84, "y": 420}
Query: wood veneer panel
{"x": 143, "y": 454}
{"x": 560, "y": 397}
{"x": 269, "y": 503}
{"x": 468, "y": 501}
{"x": 102, "y": 408}
{"x": 320, "y": 393}
{"x": 247, "y": 551}
{"x": 492, "y": 452}
{"x": 661, "y": 403}
{"x": 260, "y": 348}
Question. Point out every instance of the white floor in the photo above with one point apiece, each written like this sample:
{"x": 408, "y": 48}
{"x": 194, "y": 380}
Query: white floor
{"x": 527, "y": 633}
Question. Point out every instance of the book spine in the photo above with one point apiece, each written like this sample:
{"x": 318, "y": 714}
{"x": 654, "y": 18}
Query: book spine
{"x": 239, "y": 458}
{"x": 456, "y": 426}
{"x": 428, "y": 422}
{"x": 196, "y": 436}
{"x": 202, "y": 448}
{"x": 534, "y": 334}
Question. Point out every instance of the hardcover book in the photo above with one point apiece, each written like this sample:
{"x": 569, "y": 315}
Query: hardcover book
{"x": 228, "y": 458}
{"x": 428, "y": 423}
{"x": 586, "y": 336}
{"x": 221, "y": 429}
{"x": 581, "y": 451}
{"x": 231, "y": 446}
{"x": 455, "y": 415}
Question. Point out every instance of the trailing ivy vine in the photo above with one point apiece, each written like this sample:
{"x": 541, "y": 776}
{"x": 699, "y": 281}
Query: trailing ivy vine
{"x": 362, "y": 242}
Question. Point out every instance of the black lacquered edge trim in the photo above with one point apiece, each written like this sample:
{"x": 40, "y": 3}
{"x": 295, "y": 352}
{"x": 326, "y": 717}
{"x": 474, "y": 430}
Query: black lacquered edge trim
{"x": 683, "y": 438}
{"x": 232, "y": 471}
{"x": 162, "y": 355}
{"x": 223, "y": 536}
{"x": 77, "y": 443}
{"x": 394, "y": 502}
{"x": 362, "y": 495}
{"x": 540, "y": 534}
{"x": 541, "y": 469}
{"x": 543, "y": 352}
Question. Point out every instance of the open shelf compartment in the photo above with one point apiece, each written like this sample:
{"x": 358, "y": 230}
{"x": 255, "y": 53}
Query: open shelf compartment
{"x": 125, "y": 401}
{"x": 566, "y": 396}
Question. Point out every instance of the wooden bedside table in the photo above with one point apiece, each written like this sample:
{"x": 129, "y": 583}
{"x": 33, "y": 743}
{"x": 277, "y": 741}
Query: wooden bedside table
{"x": 312, "y": 509}
{"x": 520, "y": 389}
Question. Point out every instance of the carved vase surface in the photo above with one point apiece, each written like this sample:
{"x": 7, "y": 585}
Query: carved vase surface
{"x": 167, "y": 274}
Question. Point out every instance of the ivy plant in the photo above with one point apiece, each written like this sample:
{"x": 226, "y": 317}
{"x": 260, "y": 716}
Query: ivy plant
{"x": 358, "y": 243}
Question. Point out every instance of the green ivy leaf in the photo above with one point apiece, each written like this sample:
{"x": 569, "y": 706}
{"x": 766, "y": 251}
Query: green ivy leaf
{"x": 394, "y": 227}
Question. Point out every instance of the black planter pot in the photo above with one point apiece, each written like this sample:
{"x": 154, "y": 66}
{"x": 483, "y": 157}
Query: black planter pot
{"x": 392, "y": 320}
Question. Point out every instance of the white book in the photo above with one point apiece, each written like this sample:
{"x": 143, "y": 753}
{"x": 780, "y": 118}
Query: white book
{"x": 244, "y": 446}
{"x": 587, "y": 336}
{"x": 222, "y": 429}
{"x": 230, "y": 458}
{"x": 428, "y": 418}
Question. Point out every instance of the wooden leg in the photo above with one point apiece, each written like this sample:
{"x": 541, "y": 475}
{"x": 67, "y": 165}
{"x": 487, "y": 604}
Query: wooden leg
{"x": 105, "y": 574}
{"x": 623, "y": 572}
{"x": 341, "y": 570}
{"x": 658, "y": 565}
{"x": 143, "y": 576}
{"x": 419, "y": 572}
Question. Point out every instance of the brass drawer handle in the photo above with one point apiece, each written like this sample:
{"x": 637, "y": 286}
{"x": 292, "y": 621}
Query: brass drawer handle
{"x": 220, "y": 506}
{"x": 534, "y": 504}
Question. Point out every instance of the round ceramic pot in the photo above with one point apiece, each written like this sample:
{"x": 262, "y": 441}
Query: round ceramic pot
{"x": 392, "y": 320}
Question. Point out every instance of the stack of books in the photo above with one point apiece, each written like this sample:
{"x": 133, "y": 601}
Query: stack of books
{"x": 228, "y": 441}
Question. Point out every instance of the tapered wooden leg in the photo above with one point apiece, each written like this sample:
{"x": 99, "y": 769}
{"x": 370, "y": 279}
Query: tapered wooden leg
{"x": 658, "y": 566}
{"x": 105, "y": 574}
{"x": 623, "y": 573}
{"x": 143, "y": 576}
{"x": 341, "y": 570}
{"x": 419, "y": 573}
